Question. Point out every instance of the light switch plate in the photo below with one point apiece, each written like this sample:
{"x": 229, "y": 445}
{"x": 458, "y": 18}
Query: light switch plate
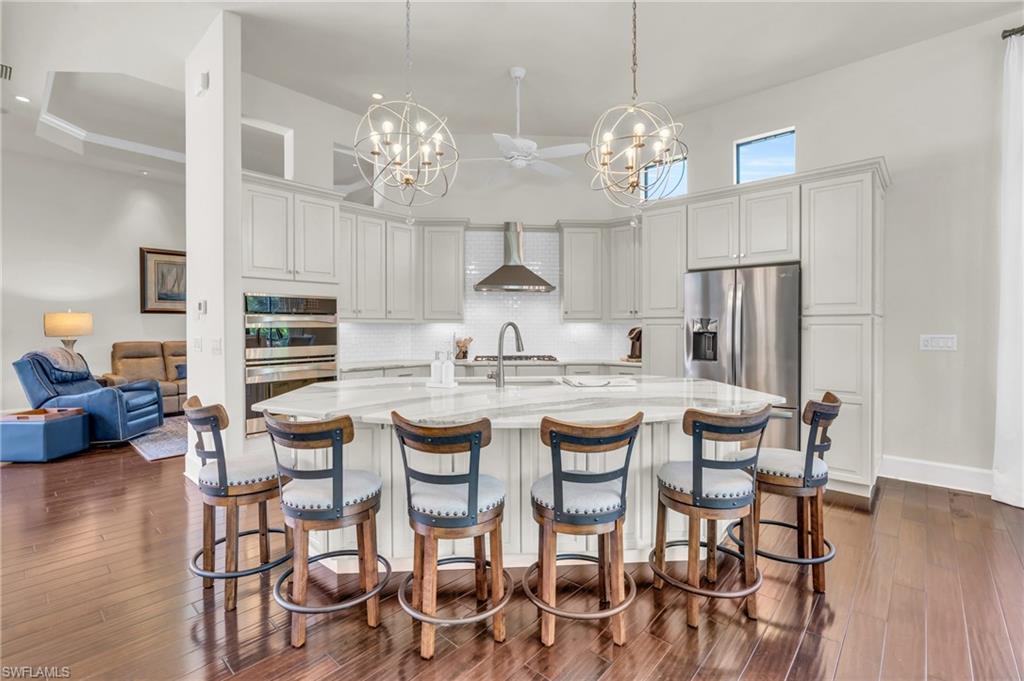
{"x": 938, "y": 342}
{"x": 216, "y": 346}
{"x": 197, "y": 344}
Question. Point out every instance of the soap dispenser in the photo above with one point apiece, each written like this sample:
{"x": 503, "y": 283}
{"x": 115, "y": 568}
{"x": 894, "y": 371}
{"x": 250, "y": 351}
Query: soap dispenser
{"x": 435, "y": 368}
{"x": 448, "y": 371}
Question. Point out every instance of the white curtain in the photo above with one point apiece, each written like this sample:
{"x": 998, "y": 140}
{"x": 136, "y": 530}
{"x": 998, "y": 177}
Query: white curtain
{"x": 1008, "y": 458}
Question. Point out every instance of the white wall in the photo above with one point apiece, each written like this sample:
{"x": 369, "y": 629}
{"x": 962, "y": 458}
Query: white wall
{"x": 71, "y": 238}
{"x": 932, "y": 110}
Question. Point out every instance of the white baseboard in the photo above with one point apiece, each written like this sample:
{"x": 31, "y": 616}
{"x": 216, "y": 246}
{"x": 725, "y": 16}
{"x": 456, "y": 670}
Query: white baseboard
{"x": 965, "y": 478}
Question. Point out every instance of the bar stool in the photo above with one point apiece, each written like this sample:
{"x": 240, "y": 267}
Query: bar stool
{"x": 326, "y": 499}
{"x": 455, "y": 506}
{"x": 581, "y": 503}
{"x": 230, "y": 483}
{"x": 707, "y": 489}
{"x": 803, "y": 476}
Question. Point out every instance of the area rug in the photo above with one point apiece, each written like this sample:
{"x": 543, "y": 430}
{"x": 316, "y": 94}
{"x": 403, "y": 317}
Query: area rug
{"x": 170, "y": 439}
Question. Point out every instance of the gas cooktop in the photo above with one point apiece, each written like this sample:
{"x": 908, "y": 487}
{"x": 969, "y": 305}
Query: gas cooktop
{"x": 516, "y": 358}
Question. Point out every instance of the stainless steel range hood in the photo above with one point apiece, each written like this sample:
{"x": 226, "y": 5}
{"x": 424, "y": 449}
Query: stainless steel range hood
{"x": 514, "y": 275}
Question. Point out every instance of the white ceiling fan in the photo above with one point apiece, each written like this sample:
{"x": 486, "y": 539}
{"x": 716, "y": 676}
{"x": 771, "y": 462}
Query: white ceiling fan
{"x": 520, "y": 152}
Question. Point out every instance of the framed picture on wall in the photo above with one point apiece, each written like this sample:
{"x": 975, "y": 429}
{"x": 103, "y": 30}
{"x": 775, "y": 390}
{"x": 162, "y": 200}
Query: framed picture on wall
{"x": 162, "y": 281}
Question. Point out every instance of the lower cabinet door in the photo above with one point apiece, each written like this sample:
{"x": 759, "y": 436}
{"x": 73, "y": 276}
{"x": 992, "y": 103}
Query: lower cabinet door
{"x": 663, "y": 348}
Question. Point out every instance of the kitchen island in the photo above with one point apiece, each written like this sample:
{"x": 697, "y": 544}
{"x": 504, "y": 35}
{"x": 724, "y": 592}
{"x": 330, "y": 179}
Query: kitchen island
{"x": 516, "y": 454}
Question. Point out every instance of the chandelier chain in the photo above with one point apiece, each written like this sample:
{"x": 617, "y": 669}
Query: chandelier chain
{"x": 408, "y": 49}
{"x": 634, "y": 52}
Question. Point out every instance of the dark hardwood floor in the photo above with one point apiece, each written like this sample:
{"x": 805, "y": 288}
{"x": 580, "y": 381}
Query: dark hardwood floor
{"x": 93, "y": 577}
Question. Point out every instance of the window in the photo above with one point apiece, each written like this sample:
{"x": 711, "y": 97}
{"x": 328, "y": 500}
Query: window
{"x": 764, "y": 156}
{"x": 676, "y": 173}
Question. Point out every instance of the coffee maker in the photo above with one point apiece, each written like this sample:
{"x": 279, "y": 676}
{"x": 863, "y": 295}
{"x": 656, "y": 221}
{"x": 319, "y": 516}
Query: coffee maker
{"x": 634, "y": 344}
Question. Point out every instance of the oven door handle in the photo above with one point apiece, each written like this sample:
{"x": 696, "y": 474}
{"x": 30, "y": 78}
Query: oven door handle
{"x": 274, "y": 321}
{"x": 288, "y": 372}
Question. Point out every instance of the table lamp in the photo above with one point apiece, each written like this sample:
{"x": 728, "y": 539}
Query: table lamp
{"x": 67, "y": 326}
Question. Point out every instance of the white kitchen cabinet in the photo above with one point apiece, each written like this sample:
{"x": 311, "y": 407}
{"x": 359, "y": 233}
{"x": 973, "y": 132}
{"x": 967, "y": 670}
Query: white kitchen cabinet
{"x": 370, "y": 268}
{"x": 407, "y": 372}
{"x": 318, "y": 246}
{"x": 623, "y": 282}
{"x": 663, "y": 244}
{"x": 582, "y": 266}
{"x": 443, "y": 273}
{"x": 267, "y": 233}
{"x": 346, "y": 291}
{"x": 401, "y": 271}
{"x": 837, "y": 235}
{"x": 360, "y": 373}
{"x": 583, "y": 370}
{"x": 712, "y": 238}
{"x": 535, "y": 370}
{"x": 770, "y": 226}
{"x": 624, "y": 371}
{"x": 663, "y": 348}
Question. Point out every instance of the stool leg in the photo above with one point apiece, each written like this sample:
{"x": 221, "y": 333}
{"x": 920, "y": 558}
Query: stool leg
{"x": 417, "y": 571}
{"x": 429, "y": 595}
{"x": 550, "y": 577}
{"x": 480, "y": 555}
{"x": 604, "y": 584}
{"x": 264, "y": 535}
{"x": 209, "y": 530}
{"x": 750, "y": 562}
{"x": 300, "y": 578}
{"x": 497, "y": 581}
{"x": 231, "y": 554}
{"x": 289, "y": 547}
{"x": 818, "y": 538}
{"x": 618, "y": 623}
{"x": 659, "y": 544}
{"x": 801, "y": 527}
{"x": 367, "y": 544}
{"x": 712, "y": 553}
{"x": 693, "y": 570}
{"x": 757, "y": 515}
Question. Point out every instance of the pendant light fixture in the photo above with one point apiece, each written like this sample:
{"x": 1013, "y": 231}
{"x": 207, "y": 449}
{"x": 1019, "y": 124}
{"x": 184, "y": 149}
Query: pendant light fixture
{"x": 405, "y": 151}
{"x": 633, "y": 149}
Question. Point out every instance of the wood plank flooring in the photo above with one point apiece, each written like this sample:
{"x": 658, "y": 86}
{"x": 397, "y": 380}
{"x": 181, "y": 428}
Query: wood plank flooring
{"x": 93, "y": 577}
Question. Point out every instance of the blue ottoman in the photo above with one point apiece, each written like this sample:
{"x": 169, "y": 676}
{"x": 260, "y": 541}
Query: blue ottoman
{"x": 39, "y": 435}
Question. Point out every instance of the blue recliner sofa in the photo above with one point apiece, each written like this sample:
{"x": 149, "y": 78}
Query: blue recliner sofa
{"x": 115, "y": 414}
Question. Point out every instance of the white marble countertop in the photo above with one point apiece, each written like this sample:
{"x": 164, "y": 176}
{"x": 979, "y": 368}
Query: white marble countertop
{"x": 365, "y": 365}
{"x": 520, "y": 404}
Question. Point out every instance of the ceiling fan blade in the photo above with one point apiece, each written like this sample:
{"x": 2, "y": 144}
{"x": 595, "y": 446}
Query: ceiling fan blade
{"x": 545, "y": 168}
{"x": 491, "y": 158}
{"x": 563, "y": 150}
{"x": 506, "y": 145}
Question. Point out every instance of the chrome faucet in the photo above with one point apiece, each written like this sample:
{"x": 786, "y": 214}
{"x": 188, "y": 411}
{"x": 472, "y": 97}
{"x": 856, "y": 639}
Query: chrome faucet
{"x": 499, "y": 375}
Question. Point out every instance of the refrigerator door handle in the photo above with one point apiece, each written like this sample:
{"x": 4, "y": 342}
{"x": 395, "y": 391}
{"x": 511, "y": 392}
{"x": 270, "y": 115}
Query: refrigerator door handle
{"x": 738, "y": 331}
{"x": 728, "y": 339}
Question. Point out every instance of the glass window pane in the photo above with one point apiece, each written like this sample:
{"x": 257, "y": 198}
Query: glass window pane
{"x": 676, "y": 173}
{"x": 766, "y": 157}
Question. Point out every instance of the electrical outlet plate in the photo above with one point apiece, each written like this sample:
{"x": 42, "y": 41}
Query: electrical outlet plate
{"x": 938, "y": 342}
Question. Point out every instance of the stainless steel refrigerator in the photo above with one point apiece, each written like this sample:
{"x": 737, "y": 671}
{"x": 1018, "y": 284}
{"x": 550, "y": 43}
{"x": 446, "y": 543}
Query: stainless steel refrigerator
{"x": 742, "y": 327}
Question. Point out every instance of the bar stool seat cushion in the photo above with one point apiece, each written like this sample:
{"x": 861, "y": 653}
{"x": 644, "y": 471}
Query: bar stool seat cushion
{"x": 579, "y": 498}
{"x": 717, "y": 483}
{"x": 241, "y": 470}
{"x": 318, "y": 493}
{"x": 786, "y": 463}
{"x": 446, "y": 501}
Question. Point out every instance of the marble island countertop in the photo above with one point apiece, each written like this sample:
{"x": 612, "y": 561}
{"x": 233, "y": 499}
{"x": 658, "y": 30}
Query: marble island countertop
{"x": 522, "y": 403}
{"x": 362, "y": 365}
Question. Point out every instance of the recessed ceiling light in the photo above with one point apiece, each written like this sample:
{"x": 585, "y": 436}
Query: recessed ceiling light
{"x": 144, "y": 172}
{"x": 377, "y": 95}
{"x": 22, "y": 98}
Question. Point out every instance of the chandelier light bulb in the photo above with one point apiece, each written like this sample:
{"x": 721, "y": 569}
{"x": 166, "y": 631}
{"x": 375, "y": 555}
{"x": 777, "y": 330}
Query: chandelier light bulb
{"x": 421, "y": 127}
{"x": 387, "y": 127}
{"x": 638, "y": 129}
{"x": 608, "y": 137}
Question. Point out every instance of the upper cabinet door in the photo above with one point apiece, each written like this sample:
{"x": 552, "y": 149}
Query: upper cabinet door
{"x": 622, "y": 270}
{"x": 346, "y": 265}
{"x": 317, "y": 243}
{"x": 770, "y": 226}
{"x": 370, "y": 268}
{"x": 443, "y": 273}
{"x": 401, "y": 271}
{"x": 836, "y": 237}
{"x": 713, "y": 233}
{"x": 267, "y": 233}
{"x": 663, "y": 243}
{"x": 581, "y": 273}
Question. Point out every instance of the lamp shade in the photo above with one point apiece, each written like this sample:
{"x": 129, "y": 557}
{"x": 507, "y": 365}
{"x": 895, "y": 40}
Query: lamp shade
{"x": 67, "y": 324}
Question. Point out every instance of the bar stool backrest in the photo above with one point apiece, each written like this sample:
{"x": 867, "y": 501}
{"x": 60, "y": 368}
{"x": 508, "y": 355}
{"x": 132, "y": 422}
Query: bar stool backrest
{"x": 562, "y": 436}
{"x": 819, "y": 416}
{"x": 331, "y": 434}
{"x": 210, "y": 419}
{"x": 702, "y": 425}
{"x": 466, "y": 438}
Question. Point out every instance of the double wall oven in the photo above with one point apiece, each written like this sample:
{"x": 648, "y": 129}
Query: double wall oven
{"x": 290, "y": 341}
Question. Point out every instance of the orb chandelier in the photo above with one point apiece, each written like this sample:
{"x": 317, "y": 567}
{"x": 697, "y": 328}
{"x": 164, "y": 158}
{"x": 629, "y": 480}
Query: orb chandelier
{"x": 633, "y": 149}
{"x": 405, "y": 151}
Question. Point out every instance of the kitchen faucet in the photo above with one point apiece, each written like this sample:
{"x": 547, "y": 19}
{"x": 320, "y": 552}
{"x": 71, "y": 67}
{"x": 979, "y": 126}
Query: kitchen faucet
{"x": 499, "y": 375}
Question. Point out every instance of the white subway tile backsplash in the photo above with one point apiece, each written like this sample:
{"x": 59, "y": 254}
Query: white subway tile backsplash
{"x": 537, "y": 314}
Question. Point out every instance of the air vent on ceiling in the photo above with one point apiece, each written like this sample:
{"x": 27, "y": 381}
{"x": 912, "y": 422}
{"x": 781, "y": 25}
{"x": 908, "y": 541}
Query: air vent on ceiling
{"x": 6, "y": 71}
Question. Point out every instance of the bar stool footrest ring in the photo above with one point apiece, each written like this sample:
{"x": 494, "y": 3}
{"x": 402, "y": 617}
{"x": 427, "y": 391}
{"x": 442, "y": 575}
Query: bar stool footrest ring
{"x": 709, "y": 593}
{"x": 450, "y": 621}
{"x": 333, "y": 607}
{"x": 193, "y": 565}
{"x": 574, "y": 614}
{"x": 792, "y": 560}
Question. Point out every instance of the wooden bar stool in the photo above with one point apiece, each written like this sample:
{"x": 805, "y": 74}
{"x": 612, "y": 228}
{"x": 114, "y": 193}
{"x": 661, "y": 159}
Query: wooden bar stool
{"x": 229, "y": 484}
{"x": 452, "y": 506}
{"x": 706, "y": 489}
{"x": 582, "y": 503}
{"x": 803, "y": 476}
{"x": 327, "y": 499}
